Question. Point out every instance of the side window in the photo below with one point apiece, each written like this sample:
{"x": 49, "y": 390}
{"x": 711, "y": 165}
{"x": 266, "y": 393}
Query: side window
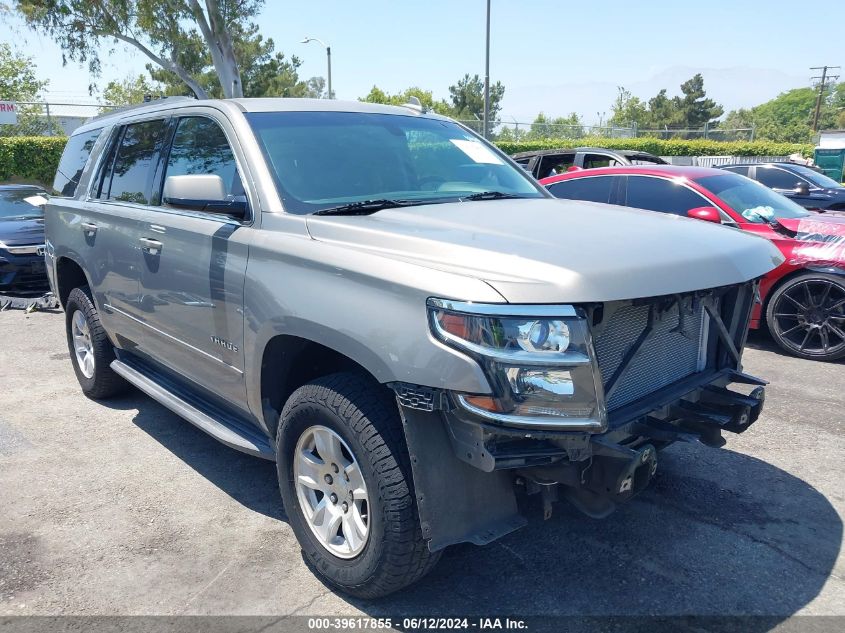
{"x": 73, "y": 161}
{"x": 776, "y": 178}
{"x": 599, "y": 160}
{"x": 200, "y": 147}
{"x": 658, "y": 194}
{"x": 128, "y": 176}
{"x": 556, "y": 164}
{"x": 742, "y": 170}
{"x": 595, "y": 189}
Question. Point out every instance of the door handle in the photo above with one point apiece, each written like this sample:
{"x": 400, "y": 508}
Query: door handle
{"x": 153, "y": 247}
{"x": 89, "y": 228}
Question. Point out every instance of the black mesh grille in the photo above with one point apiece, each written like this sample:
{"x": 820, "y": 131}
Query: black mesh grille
{"x": 670, "y": 354}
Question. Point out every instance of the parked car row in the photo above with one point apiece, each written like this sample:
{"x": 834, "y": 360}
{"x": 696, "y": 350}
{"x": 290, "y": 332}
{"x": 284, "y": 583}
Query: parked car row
{"x": 803, "y": 299}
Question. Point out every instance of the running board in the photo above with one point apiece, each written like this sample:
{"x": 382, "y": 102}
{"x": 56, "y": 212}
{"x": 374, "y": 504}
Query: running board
{"x": 222, "y": 427}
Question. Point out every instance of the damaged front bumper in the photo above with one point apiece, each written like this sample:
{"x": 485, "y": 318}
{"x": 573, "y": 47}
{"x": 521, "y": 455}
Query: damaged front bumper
{"x": 468, "y": 467}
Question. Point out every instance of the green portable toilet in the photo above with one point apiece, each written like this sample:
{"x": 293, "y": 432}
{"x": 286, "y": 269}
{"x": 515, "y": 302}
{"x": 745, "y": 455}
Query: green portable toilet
{"x": 830, "y": 154}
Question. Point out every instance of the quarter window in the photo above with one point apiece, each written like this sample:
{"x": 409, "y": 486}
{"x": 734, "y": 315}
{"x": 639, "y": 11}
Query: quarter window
{"x": 593, "y": 189}
{"x": 129, "y": 177}
{"x": 200, "y": 147}
{"x": 659, "y": 194}
{"x": 73, "y": 161}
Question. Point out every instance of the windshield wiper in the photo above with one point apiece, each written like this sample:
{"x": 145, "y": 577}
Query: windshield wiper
{"x": 491, "y": 195}
{"x": 364, "y": 207}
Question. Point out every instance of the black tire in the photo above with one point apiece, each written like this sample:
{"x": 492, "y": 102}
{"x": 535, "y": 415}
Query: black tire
{"x": 104, "y": 382}
{"x": 364, "y": 414}
{"x": 806, "y": 316}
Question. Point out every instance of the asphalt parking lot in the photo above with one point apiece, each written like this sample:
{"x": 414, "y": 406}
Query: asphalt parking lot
{"x": 123, "y": 508}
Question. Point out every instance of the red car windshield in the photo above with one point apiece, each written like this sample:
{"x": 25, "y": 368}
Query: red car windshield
{"x": 753, "y": 201}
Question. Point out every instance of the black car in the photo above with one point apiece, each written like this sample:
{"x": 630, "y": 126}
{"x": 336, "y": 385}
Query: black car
{"x": 808, "y": 187}
{"x": 551, "y": 162}
{"x": 22, "y": 268}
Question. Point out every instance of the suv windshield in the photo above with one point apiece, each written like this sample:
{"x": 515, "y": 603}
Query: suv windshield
{"x": 753, "y": 201}
{"x": 325, "y": 160}
{"x": 21, "y": 204}
{"x": 818, "y": 179}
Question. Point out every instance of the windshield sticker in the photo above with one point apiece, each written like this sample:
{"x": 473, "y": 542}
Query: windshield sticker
{"x": 36, "y": 201}
{"x": 477, "y": 152}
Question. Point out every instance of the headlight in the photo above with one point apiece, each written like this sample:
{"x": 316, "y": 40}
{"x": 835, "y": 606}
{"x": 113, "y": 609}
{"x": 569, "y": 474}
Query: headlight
{"x": 538, "y": 360}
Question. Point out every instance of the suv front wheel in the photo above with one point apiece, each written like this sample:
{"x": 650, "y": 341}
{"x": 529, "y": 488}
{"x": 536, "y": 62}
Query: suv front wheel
{"x": 346, "y": 484}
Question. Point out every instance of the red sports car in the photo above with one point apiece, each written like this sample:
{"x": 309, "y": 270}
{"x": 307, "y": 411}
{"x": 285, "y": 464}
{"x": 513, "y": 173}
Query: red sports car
{"x": 803, "y": 299}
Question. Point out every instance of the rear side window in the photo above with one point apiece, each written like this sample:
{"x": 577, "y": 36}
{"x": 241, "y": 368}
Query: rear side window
{"x": 777, "y": 178}
{"x": 556, "y": 164}
{"x": 128, "y": 177}
{"x": 200, "y": 147}
{"x": 742, "y": 171}
{"x": 659, "y": 194}
{"x": 595, "y": 189}
{"x": 75, "y": 156}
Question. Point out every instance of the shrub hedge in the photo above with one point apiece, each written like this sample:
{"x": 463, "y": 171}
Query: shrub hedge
{"x": 665, "y": 147}
{"x": 30, "y": 158}
{"x": 34, "y": 158}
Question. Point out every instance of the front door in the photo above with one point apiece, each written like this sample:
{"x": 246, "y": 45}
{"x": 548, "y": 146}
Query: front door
{"x": 192, "y": 269}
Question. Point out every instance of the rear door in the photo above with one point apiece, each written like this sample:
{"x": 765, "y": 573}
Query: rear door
{"x": 110, "y": 223}
{"x": 192, "y": 264}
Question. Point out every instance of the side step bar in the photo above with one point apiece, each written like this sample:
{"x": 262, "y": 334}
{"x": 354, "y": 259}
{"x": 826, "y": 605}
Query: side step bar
{"x": 229, "y": 432}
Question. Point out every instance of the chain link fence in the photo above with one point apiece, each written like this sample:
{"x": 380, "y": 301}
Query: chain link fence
{"x": 42, "y": 118}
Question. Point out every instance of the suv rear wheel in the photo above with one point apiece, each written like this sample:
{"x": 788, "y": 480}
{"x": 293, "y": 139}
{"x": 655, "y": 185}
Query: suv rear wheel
{"x": 806, "y": 316}
{"x": 90, "y": 349}
{"x": 345, "y": 479}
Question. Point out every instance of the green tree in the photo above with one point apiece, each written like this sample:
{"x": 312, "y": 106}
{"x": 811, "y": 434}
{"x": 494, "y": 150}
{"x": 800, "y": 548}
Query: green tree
{"x": 628, "y": 110}
{"x": 174, "y": 34}
{"x": 130, "y": 90}
{"x": 427, "y": 100}
{"x": 693, "y": 109}
{"x": 787, "y": 117}
{"x": 560, "y": 127}
{"x": 19, "y": 83}
{"x": 467, "y": 99}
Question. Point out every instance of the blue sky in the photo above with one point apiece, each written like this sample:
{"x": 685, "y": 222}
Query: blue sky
{"x": 557, "y": 57}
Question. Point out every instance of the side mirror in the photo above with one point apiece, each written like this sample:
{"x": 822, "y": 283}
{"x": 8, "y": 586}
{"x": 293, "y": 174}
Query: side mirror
{"x": 802, "y": 189}
{"x": 202, "y": 192}
{"x": 708, "y": 214}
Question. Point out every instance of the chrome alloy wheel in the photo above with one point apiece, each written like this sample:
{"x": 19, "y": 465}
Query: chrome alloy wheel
{"x": 82, "y": 344}
{"x": 331, "y": 491}
{"x": 810, "y": 317}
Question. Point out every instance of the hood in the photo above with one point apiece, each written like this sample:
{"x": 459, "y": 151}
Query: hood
{"x": 821, "y": 237}
{"x": 22, "y": 232}
{"x": 558, "y": 251}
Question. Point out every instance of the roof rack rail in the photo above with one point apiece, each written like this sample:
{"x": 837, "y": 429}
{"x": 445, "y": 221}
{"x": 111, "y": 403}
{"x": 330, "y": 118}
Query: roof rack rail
{"x": 133, "y": 106}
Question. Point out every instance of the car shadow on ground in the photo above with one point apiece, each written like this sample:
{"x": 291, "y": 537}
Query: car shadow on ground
{"x": 762, "y": 340}
{"x": 717, "y": 533}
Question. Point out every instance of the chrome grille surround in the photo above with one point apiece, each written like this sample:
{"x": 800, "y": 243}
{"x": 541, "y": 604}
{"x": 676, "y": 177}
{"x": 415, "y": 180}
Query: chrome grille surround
{"x": 675, "y": 349}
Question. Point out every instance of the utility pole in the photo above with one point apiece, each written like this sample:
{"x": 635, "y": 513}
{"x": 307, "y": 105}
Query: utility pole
{"x": 822, "y": 85}
{"x": 487, "y": 79}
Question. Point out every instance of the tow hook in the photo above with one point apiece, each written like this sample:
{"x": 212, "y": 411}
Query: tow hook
{"x": 619, "y": 472}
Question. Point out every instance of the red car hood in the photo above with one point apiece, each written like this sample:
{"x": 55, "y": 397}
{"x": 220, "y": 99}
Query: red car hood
{"x": 822, "y": 238}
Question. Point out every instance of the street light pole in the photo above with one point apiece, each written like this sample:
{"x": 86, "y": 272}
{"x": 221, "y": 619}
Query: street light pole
{"x": 328, "y": 60}
{"x": 487, "y": 78}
